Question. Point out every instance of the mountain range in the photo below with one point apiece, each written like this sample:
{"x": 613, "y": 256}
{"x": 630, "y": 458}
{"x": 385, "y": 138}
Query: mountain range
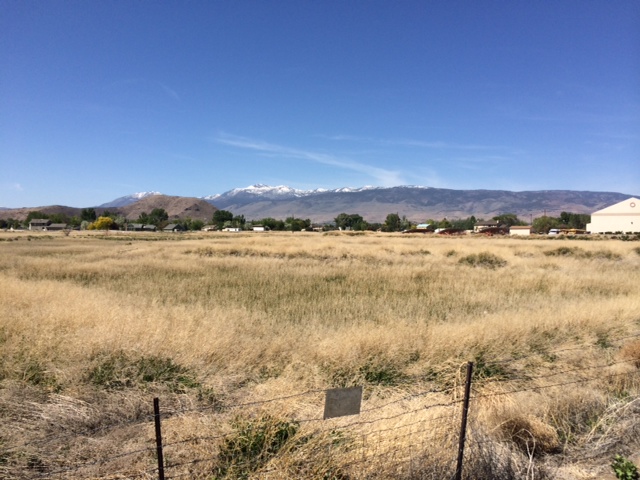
{"x": 373, "y": 203}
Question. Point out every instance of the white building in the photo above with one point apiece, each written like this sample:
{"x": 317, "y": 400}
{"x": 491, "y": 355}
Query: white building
{"x": 520, "y": 230}
{"x": 621, "y": 217}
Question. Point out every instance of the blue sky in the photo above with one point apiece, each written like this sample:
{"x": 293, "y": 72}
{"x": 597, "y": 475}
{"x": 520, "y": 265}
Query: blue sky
{"x": 102, "y": 99}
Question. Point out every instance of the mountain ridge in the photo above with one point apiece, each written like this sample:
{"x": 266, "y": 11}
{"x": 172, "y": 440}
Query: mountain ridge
{"x": 417, "y": 203}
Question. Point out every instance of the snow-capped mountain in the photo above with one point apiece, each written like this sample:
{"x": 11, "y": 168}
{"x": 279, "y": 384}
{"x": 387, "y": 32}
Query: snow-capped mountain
{"x": 280, "y": 192}
{"x": 127, "y": 199}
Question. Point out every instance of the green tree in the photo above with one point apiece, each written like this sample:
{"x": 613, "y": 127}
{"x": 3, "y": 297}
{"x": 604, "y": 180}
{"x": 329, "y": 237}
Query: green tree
{"x": 392, "y": 223}
{"x": 195, "y": 225}
{"x": 297, "y": 224}
{"x": 465, "y": 224}
{"x": 75, "y": 221}
{"x": 88, "y": 214}
{"x": 59, "y": 218}
{"x": 238, "y": 221}
{"x": 158, "y": 215}
{"x": 444, "y": 223}
{"x": 35, "y": 214}
{"x": 544, "y": 224}
{"x": 222, "y": 216}
{"x": 271, "y": 223}
{"x": 144, "y": 218}
{"x": 353, "y": 221}
{"x": 508, "y": 219}
{"x": 574, "y": 220}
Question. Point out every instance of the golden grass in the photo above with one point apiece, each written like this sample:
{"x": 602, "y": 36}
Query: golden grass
{"x": 236, "y": 319}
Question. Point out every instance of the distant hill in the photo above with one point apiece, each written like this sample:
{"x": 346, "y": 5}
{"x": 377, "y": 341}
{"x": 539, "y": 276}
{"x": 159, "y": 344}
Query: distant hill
{"x": 176, "y": 207}
{"x": 127, "y": 200}
{"x": 373, "y": 203}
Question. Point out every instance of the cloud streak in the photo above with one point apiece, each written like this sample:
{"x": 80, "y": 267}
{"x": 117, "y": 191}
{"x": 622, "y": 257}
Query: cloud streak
{"x": 384, "y": 177}
{"x": 406, "y": 142}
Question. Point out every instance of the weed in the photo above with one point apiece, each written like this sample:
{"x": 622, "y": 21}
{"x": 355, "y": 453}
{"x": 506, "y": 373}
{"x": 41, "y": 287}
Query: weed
{"x": 251, "y": 445}
{"x": 482, "y": 369}
{"x": 374, "y": 371}
{"x": 484, "y": 260}
{"x": 624, "y": 469}
{"x": 36, "y": 374}
{"x": 564, "y": 252}
{"x": 580, "y": 253}
{"x": 602, "y": 340}
{"x": 119, "y": 371}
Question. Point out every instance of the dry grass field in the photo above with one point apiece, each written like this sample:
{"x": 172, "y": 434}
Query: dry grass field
{"x": 239, "y": 336}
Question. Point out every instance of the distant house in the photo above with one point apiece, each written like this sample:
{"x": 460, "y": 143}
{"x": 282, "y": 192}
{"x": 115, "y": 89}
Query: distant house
{"x": 57, "y": 227}
{"x": 232, "y": 229}
{"x": 520, "y": 230}
{"x": 260, "y": 228}
{"x": 39, "y": 224}
{"x": 149, "y": 228}
{"x": 135, "y": 227}
{"x": 480, "y": 226}
{"x": 622, "y": 217}
{"x": 172, "y": 227}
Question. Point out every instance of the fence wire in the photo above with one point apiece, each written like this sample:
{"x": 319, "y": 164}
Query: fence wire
{"x": 405, "y": 436}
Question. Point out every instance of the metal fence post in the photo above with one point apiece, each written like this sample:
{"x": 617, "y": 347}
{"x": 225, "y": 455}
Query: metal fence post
{"x": 156, "y": 415}
{"x": 463, "y": 424}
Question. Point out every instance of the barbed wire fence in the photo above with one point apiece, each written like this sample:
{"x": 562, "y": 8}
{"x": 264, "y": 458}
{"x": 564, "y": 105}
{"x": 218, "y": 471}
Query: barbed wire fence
{"x": 422, "y": 433}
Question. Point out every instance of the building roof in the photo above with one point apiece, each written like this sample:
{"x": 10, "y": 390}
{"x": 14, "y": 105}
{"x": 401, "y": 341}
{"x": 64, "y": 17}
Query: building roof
{"x": 628, "y": 206}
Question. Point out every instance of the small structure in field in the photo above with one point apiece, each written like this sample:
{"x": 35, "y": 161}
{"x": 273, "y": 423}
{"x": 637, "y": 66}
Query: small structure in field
{"x": 520, "y": 230}
{"x": 173, "y": 227}
{"x": 481, "y": 226}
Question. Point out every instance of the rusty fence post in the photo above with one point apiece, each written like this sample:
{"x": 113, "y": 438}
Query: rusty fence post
{"x": 156, "y": 415}
{"x": 463, "y": 423}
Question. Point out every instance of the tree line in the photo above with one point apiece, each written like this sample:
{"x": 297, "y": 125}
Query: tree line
{"x": 107, "y": 220}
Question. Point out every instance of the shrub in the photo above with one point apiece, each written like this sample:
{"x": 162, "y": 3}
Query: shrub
{"x": 374, "y": 371}
{"x": 118, "y": 371}
{"x": 36, "y": 374}
{"x": 564, "y": 252}
{"x": 251, "y": 445}
{"x": 624, "y": 469}
{"x": 484, "y": 260}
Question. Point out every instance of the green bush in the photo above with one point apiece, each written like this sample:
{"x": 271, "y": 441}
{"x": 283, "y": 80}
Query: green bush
{"x": 251, "y": 445}
{"x": 624, "y": 469}
{"x": 484, "y": 260}
{"x": 118, "y": 371}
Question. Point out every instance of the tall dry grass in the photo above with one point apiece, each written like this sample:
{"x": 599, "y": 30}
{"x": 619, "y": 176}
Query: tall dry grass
{"x": 94, "y": 326}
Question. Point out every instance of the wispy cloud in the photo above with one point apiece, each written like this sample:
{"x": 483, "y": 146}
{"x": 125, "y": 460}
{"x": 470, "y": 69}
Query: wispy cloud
{"x": 169, "y": 91}
{"x": 383, "y": 177}
{"x": 407, "y": 142}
